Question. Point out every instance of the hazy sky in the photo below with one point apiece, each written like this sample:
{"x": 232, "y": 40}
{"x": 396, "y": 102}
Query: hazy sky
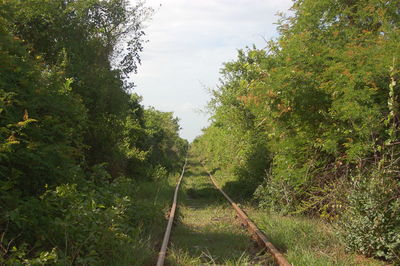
{"x": 189, "y": 40}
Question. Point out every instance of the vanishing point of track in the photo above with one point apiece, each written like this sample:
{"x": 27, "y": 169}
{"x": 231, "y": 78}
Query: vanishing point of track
{"x": 251, "y": 227}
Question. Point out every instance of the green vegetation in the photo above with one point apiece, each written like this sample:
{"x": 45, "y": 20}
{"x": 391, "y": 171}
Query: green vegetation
{"x": 306, "y": 241}
{"x": 305, "y": 128}
{"x": 76, "y": 147}
{"x": 310, "y": 125}
{"x": 302, "y": 240}
{"x": 206, "y": 231}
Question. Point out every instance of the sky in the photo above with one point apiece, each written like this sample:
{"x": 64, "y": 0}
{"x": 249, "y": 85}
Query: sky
{"x": 188, "y": 42}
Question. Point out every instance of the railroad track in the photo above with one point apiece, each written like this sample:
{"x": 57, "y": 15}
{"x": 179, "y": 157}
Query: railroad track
{"x": 249, "y": 224}
{"x": 163, "y": 250}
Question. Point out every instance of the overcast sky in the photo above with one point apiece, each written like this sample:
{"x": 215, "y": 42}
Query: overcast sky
{"x": 189, "y": 40}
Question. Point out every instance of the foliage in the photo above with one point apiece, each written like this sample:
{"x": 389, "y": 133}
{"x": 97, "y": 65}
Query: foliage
{"x": 41, "y": 120}
{"x": 371, "y": 225}
{"x": 307, "y": 241}
{"x": 321, "y": 103}
{"x": 235, "y": 141}
{"x": 165, "y": 146}
{"x": 74, "y": 142}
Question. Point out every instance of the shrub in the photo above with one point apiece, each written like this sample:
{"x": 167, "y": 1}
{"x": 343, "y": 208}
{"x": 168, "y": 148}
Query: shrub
{"x": 371, "y": 225}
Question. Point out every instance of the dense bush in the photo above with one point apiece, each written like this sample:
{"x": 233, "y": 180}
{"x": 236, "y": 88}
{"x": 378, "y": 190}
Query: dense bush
{"x": 372, "y": 223}
{"x": 91, "y": 223}
{"x": 74, "y": 142}
{"x": 321, "y": 104}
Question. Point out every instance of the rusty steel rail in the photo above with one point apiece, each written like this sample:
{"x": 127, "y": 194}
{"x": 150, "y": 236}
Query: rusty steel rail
{"x": 261, "y": 238}
{"x": 163, "y": 250}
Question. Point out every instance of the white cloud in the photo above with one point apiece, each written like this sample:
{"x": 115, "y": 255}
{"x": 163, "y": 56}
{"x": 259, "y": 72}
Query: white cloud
{"x": 188, "y": 42}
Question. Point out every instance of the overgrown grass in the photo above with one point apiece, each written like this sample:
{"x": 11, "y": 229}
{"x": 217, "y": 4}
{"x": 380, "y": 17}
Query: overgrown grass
{"x": 152, "y": 201}
{"x": 306, "y": 241}
{"x": 207, "y": 232}
{"x": 303, "y": 241}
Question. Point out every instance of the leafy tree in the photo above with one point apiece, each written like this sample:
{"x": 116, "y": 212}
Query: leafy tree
{"x": 74, "y": 141}
{"x": 166, "y": 148}
{"x": 41, "y": 121}
{"x": 86, "y": 36}
{"x": 322, "y": 103}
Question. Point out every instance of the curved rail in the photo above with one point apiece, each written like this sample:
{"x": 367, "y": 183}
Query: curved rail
{"x": 163, "y": 250}
{"x": 262, "y": 239}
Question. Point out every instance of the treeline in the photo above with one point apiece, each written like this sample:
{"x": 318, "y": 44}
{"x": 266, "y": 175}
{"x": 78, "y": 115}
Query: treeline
{"x": 74, "y": 140}
{"x": 310, "y": 124}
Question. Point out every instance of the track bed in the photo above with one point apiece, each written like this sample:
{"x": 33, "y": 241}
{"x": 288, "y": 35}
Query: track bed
{"x": 206, "y": 229}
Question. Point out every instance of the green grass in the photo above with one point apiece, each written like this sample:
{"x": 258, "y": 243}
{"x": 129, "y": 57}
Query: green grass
{"x": 152, "y": 201}
{"x": 306, "y": 241}
{"x": 303, "y": 241}
{"x": 206, "y": 231}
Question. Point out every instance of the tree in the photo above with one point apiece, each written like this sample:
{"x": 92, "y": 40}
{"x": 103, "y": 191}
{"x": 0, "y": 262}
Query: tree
{"x": 322, "y": 101}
